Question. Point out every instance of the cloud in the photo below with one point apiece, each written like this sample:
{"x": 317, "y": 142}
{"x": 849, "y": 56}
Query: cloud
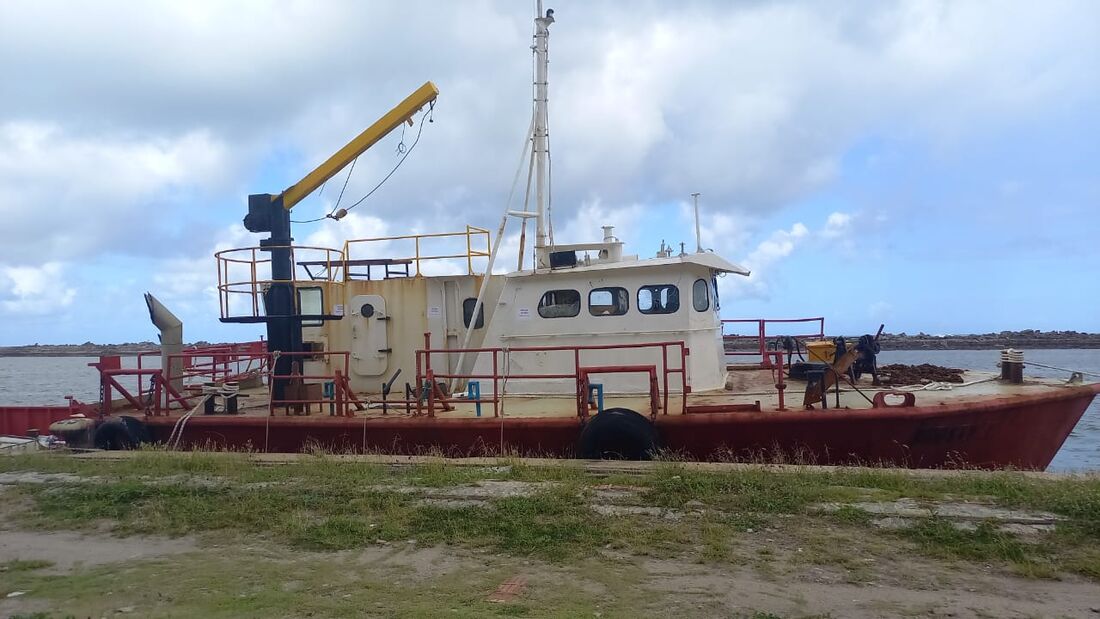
{"x": 38, "y": 290}
{"x": 139, "y": 128}
{"x": 777, "y": 246}
{"x": 752, "y": 104}
{"x": 66, "y": 196}
{"x": 764, "y": 259}
{"x": 836, "y": 225}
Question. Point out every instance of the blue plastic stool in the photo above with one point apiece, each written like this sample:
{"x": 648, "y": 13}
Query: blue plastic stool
{"x": 328, "y": 391}
{"x": 596, "y": 390}
{"x": 473, "y": 392}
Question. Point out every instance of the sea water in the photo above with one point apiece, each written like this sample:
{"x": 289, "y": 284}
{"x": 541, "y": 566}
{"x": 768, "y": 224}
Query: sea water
{"x": 46, "y": 380}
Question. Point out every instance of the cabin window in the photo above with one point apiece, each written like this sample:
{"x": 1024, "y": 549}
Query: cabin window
{"x": 311, "y": 302}
{"x": 608, "y": 301}
{"x": 658, "y": 299}
{"x": 700, "y": 295}
{"x": 714, "y": 290}
{"x": 468, "y": 313}
{"x": 560, "y": 304}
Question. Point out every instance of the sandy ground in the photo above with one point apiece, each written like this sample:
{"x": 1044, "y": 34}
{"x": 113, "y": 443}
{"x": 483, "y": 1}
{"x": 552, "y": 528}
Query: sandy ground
{"x": 626, "y": 586}
{"x": 771, "y": 572}
{"x": 904, "y": 586}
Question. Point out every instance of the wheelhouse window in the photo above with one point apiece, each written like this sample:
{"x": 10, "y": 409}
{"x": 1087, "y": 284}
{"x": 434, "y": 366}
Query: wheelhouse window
{"x": 700, "y": 295}
{"x": 468, "y": 313}
{"x": 613, "y": 301}
{"x": 658, "y": 299}
{"x": 714, "y": 290}
{"x": 311, "y": 302}
{"x": 560, "y": 304}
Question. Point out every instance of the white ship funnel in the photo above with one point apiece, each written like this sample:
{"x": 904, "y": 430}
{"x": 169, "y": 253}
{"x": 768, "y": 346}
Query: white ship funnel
{"x": 171, "y": 340}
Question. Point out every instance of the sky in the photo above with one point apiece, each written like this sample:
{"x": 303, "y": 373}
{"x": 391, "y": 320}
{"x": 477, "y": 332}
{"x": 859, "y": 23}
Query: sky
{"x": 933, "y": 166}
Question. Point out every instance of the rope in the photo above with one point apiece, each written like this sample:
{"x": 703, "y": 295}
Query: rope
{"x": 404, "y": 155}
{"x": 174, "y": 440}
{"x": 1051, "y": 367}
{"x": 942, "y": 386}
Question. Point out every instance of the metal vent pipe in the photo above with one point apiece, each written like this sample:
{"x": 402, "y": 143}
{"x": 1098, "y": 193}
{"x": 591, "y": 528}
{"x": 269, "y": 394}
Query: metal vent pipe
{"x": 171, "y": 340}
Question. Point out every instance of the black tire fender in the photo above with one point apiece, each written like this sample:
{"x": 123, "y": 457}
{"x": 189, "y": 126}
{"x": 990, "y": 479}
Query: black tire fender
{"x": 114, "y": 435}
{"x": 139, "y": 432}
{"x": 618, "y": 434}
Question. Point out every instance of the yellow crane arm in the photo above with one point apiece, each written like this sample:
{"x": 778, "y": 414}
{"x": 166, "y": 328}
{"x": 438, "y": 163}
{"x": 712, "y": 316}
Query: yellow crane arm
{"x": 369, "y": 137}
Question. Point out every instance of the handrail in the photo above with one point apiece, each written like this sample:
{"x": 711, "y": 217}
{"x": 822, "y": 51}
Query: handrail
{"x": 342, "y": 395}
{"x": 472, "y": 236}
{"x": 159, "y": 397}
{"x": 240, "y": 272}
{"x": 761, "y": 335}
{"x": 424, "y": 369}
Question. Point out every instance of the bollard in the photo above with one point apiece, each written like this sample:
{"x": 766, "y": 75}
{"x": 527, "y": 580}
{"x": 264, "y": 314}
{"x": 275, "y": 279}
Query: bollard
{"x": 1012, "y": 366}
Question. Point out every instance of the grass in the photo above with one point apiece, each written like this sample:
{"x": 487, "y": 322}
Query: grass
{"x": 259, "y": 583}
{"x": 325, "y": 503}
{"x": 20, "y": 565}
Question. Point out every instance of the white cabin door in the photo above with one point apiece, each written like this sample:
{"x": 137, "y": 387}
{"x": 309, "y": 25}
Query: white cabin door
{"x": 370, "y": 350}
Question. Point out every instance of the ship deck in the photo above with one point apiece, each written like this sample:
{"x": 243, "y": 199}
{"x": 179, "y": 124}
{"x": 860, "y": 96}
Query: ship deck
{"x": 749, "y": 386}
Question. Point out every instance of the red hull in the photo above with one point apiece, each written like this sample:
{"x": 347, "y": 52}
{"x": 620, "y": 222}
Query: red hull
{"x": 21, "y": 420}
{"x": 1022, "y": 432}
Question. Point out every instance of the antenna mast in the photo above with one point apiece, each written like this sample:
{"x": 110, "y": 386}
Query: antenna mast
{"x": 540, "y": 148}
{"x": 698, "y": 235}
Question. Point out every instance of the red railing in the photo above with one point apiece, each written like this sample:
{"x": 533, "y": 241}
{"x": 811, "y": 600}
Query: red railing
{"x": 155, "y": 393}
{"x": 155, "y": 401}
{"x": 426, "y": 375}
{"x": 221, "y": 364}
{"x": 217, "y": 363}
{"x": 302, "y": 390}
{"x": 761, "y": 335}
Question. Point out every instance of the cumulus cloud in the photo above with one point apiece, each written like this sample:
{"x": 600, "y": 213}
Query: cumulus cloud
{"x": 65, "y": 196}
{"x": 754, "y": 104}
{"x": 836, "y": 225}
{"x": 764, "y": 259}
{"x": 35, "y": 290}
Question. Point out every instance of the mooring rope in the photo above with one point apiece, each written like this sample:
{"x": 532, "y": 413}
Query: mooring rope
{"x": 174, "y": 440}
{"x": 943, "y": 386}
{"x": 1051, "y": 367}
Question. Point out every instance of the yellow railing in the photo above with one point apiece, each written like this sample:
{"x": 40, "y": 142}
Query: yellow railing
{"x": 475, "y": 238}
{"x": 244, "y": 274}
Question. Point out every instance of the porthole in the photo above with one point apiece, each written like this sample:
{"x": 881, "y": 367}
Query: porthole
{"x": 367, "y": 310}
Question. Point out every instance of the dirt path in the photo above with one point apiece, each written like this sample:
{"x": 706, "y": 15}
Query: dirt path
{"x": 150, "y": 577}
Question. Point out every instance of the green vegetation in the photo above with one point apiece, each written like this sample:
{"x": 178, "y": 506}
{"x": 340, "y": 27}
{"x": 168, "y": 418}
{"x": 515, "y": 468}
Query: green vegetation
{"x": 20, "y": 565}
{"x": 770, "y": 520}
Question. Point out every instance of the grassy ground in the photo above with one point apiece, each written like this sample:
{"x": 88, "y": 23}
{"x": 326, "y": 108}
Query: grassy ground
{"x": 326, "y": 513}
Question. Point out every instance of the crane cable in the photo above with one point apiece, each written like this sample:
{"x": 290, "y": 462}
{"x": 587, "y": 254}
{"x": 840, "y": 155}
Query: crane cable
{"x": 404, "y": 154}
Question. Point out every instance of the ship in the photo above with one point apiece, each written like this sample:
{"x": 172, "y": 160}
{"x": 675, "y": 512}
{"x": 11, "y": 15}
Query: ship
{"x": 428, "y": 344}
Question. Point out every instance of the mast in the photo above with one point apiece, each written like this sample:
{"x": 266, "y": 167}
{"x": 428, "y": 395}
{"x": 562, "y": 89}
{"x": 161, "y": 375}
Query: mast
{"x": 540, "y": 147}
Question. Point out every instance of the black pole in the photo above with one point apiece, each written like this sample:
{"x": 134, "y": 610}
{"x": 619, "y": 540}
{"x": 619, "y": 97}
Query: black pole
{"x": 284, "y": 326}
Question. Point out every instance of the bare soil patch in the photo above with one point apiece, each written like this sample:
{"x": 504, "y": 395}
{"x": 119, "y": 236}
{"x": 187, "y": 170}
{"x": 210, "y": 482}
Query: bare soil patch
{"x": 66, "y": 550}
